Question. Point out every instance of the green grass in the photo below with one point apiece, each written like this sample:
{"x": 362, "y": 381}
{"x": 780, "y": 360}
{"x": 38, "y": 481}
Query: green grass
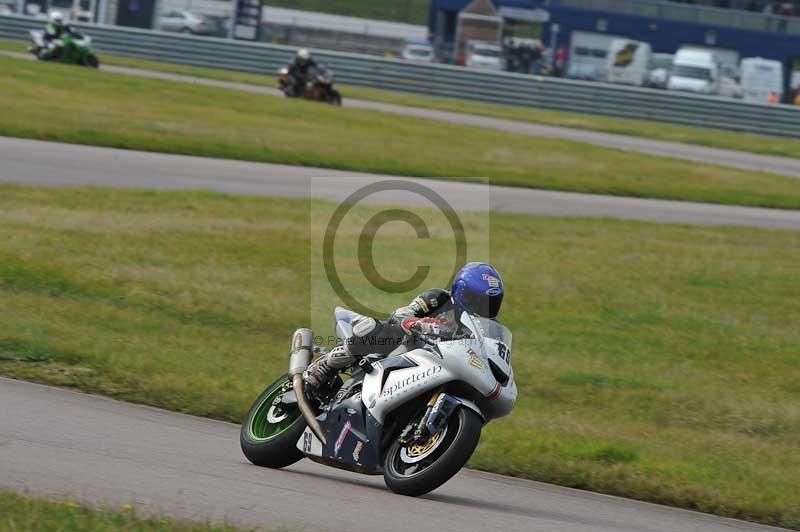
{"x": 654, "y": 361}
{"x": 25, "y": 514}
{"x": 62, "y": 103}
{"x": 410, "y": 11}
{"x": 715, "y": 138}
{"x": 699, "y": 136}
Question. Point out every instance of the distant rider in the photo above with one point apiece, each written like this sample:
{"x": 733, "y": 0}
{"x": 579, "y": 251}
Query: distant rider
{"x": 477, "y": 288}
{"x": 298, "y": 70}
{"x": 55, "y": 30}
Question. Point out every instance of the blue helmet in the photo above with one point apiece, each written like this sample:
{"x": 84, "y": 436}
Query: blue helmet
{"x": 478, "y": 288}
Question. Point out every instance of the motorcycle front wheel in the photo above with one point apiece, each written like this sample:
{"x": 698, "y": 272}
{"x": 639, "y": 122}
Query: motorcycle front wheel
{"x": 270, "y": 429}
{"x": 418, "y": 468}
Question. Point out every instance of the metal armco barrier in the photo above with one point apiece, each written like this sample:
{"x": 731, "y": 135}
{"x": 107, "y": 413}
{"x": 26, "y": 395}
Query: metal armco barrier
{"x": 441, "y": 80}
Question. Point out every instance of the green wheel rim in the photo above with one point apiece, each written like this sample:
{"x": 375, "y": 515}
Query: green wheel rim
{"x": 269, "y": 420}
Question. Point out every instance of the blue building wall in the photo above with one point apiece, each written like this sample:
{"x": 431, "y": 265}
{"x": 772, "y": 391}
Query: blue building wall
{"x": 663, "y": 35}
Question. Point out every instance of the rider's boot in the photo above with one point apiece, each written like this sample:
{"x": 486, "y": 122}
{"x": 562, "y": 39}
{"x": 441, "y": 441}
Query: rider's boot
{"x": 325, "y": 368}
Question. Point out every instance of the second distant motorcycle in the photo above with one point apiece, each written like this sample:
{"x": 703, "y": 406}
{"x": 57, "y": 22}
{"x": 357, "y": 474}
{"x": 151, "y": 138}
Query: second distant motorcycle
{"x": 317, "y": 87}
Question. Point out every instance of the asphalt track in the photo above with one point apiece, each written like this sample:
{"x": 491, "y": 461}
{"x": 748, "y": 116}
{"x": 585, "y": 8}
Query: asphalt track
{"x": 62, "y": 444}
{"x": 48, "y": 163}
{"x": 786, "y": 166}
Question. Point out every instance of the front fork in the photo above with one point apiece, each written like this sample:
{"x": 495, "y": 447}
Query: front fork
{"x": 438, "y": 409}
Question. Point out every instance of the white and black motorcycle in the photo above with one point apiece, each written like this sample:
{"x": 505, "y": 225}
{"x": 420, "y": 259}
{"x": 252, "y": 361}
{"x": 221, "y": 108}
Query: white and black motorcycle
{"x": 414, "y": 416}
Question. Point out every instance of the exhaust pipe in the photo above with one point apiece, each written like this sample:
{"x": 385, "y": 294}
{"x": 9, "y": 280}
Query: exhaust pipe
{"x": 298, "y": 363}
{"x": 305, "y": 408}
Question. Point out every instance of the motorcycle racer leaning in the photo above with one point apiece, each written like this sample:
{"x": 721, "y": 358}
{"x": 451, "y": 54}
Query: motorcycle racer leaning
{"x": 298, "y": 70}
{"x": 53, "y": 32}
{"x": 477, "y": 287}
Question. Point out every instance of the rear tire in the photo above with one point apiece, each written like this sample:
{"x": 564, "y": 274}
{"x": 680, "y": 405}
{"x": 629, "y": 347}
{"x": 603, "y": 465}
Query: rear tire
{"x": 91, "y": 61}
{"x": 460, "y": 437}
{"x": 335, "y": 97}
{"x": 270, "y": 433}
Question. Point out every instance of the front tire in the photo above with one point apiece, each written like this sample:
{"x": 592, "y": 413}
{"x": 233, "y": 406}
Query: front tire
{"x": 270, "y": 430}
{"x": 416, "y": 475}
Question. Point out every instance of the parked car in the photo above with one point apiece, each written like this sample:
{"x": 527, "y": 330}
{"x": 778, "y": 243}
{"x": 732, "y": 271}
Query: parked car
{"x": 695, "y": 71}
{"x": 421, "y": 51}
{"x": 481, "y": 54}
{"x": 185, "y": 22}
{"x": 627, "y": 62}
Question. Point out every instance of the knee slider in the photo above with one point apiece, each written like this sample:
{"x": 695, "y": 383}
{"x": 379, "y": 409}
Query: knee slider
{"x": 364, "y": 326}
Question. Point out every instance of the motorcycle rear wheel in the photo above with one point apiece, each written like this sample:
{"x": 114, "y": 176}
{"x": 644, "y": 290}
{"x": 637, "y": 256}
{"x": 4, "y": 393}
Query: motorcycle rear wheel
{"x": 91, "y": 61}
{"x": 439, "y": 463}
{"x": 270, "y": 430}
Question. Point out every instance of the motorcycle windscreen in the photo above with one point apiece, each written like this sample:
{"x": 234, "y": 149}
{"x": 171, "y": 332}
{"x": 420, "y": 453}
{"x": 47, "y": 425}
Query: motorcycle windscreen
{"x": 495, "y": 342}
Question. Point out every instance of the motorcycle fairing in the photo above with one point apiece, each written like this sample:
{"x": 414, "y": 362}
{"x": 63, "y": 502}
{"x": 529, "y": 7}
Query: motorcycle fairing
{"x": 352, "y": 435}
{"x": 352, "y": 438}
{"x": 37, "y": 36}
{"x": 395, "y": 380}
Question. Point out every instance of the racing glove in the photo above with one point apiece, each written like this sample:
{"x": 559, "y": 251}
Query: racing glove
{"x": 421, "y": 326}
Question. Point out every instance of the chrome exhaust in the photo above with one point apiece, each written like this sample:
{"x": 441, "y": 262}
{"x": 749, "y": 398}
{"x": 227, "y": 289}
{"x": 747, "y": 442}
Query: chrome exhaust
{"x": 298, "y": 363}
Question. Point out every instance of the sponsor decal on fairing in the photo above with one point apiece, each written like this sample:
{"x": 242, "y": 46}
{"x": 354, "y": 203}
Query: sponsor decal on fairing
{"x": 474, "y": 361}
{"x": 342, "y": 436}
{"x": 417, "y": 377}
{"x": 357, "y": 451}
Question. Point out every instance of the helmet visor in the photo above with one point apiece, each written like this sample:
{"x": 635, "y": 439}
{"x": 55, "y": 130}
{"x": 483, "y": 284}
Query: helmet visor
{"x": 487, "y": 306}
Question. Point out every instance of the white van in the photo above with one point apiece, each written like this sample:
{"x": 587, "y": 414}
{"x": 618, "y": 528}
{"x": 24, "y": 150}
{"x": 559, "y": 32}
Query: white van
{"x": 760, "y": 78}
{"x": 694, "y": 70}
{"x": 627, "y": 62}
{"x": 587, "y": 55}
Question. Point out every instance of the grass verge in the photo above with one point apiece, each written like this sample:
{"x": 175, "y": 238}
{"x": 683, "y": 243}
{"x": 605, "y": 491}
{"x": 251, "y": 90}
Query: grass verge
{"x": 25, "y": 514}
{"x": 62, "y": 103}
{"x": 654, "y": 361}
{"x": 715, "y": 138}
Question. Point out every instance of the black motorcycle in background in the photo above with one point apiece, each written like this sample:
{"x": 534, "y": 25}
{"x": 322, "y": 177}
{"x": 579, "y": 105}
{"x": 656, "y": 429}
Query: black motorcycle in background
{"x": 318, "y": 86}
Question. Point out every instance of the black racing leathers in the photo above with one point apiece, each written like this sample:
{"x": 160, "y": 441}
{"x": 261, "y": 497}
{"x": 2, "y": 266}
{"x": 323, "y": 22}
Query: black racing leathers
{"x": 384, "y": 336}
{"x": 429, "y": 311}
{"x": 298, "y": 71}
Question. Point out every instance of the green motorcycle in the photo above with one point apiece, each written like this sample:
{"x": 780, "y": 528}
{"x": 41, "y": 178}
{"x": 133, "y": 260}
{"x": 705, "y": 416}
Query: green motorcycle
{"x": 72, "y": 48}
